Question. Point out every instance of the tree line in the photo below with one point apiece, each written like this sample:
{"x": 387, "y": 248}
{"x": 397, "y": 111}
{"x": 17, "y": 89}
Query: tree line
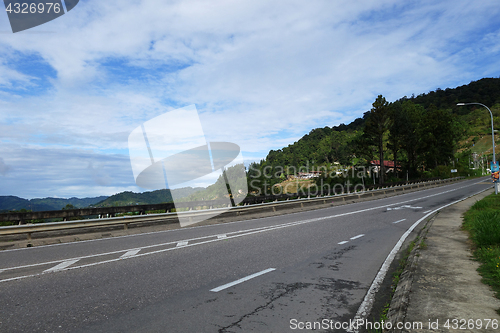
{"x": 425, "y": 136}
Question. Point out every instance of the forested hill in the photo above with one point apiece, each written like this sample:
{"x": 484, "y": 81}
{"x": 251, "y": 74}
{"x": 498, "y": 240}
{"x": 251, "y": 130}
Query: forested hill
{"x": 347, "y": 143}
{"x": 485, "y": 91}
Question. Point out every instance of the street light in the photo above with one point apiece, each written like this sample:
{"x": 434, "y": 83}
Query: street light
{"x": 492, "y": 134}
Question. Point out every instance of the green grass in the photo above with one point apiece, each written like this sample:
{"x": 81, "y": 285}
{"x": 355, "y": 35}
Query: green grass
{"x": 483, "y": 223}
{"x": 483, "y": 145}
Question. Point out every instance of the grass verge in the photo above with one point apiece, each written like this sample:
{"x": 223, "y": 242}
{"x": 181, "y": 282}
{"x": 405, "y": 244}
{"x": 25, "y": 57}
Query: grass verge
{"x": 483, "y": 223}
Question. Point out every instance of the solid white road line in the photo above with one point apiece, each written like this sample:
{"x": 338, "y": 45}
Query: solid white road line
{"x": 343, "y": 242}
{"x": 242, "y": 280}
{"x": 358, "y": 236}
{"x": 130, "y": 253}
{"x": 61, "y": 266}
{"x": 399, "y": 221}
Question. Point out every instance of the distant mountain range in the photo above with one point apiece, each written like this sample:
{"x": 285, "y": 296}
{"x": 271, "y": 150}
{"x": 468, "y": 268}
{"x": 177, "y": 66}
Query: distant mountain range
{"x": 10, "y": 203}
{"x": 154, "y": 197}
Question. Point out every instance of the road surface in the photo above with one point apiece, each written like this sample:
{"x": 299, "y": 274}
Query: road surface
{"x": 273, "y": 274}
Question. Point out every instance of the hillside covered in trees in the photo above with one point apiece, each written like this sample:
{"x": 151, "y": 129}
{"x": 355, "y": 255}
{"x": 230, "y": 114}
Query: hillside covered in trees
{"x": 425, "y": 135}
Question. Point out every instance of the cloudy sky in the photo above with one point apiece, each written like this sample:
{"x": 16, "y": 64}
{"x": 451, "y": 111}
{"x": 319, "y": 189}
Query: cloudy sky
{"x": 261, "y": 74}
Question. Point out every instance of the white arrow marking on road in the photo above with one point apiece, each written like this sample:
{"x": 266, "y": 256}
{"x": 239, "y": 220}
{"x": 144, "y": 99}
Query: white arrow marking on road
{"x": 130, "y": 253}
{"x": 61, "y": 266}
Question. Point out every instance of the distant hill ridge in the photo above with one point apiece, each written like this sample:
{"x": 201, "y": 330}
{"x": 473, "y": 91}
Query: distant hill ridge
{"x": 153, "y": 197}
{"x": 10, "y": 203}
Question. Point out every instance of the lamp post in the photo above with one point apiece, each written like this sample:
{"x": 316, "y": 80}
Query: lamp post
{"x": 492, "y": 135}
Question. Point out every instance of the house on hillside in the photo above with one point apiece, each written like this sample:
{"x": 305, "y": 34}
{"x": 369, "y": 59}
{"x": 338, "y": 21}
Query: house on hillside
{"x": 308, "y": 175}
{"x": 389, "y": 166}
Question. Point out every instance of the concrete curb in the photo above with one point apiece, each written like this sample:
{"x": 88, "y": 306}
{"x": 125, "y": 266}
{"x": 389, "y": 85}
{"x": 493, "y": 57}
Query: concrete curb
{"x": 403, "y": 307}
{"x": 401, "y": 298}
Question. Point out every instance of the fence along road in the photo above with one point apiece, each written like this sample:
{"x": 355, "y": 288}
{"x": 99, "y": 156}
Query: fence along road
{"x": 126, "y": 221}
{"x": 254, "y": 275}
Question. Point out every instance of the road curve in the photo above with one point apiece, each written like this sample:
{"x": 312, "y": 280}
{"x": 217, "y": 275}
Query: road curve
{"x": 266, "y": 275}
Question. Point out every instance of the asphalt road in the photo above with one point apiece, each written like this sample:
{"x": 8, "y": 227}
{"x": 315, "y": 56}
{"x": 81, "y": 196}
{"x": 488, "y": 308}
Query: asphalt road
{"x": 264, "y": 275}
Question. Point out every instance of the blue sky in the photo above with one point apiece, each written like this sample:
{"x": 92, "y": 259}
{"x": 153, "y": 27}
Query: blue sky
{"x": 73, "y": 89}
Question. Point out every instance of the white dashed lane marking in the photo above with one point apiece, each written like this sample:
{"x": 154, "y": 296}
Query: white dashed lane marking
{"x": 352, "y": 238}
{"x": 399, "y": 221}
{"x": 358, "y": 236}
{"x": 242, "y": 280}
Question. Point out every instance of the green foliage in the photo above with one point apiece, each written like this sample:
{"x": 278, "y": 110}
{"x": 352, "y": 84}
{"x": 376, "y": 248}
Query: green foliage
{"x": 375, "y": 129}
{"x": 220, "y": 189}
{"x": 421, "y": 134}
{"x": 483, "y": 223}
{"x": 437, "y": 137}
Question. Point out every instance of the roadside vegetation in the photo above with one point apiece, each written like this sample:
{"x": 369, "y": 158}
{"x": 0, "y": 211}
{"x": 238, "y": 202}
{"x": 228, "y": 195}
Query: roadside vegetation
{"x": 424, "y": 136}
{"x": 483, "y": 223}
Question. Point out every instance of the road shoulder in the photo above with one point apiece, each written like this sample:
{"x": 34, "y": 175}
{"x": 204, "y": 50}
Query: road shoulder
{"x": 441, "y": 284}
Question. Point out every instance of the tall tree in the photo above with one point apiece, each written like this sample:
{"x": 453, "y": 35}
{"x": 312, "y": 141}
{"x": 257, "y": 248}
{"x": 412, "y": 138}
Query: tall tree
{"x": 411, "y": 119}
{"x": 395, "y": 133}
{"x": 437, "y": 133}
{"x": 375, "y": 127}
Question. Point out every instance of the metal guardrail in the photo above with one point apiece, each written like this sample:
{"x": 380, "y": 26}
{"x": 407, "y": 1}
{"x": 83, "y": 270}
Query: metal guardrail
{"x": 239, "y": 210}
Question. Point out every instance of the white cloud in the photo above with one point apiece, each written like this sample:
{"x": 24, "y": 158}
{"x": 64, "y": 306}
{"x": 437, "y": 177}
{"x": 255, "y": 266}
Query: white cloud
{"x": 277, "y": 68}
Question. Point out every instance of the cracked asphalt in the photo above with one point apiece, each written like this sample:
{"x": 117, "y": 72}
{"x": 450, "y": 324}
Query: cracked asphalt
{"x": 132, "y": 284}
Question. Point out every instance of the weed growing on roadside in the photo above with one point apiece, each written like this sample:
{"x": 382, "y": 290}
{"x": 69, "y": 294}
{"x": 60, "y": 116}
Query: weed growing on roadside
{"x": 483, "y": 223}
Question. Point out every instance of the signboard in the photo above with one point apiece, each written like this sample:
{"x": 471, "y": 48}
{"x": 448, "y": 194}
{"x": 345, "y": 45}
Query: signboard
{"x": 494, "y": 171}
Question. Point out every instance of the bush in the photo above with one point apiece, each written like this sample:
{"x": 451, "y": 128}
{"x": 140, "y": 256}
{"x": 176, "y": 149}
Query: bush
{"x": 485, "y": 230}
{"x": 483, "y": 222}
